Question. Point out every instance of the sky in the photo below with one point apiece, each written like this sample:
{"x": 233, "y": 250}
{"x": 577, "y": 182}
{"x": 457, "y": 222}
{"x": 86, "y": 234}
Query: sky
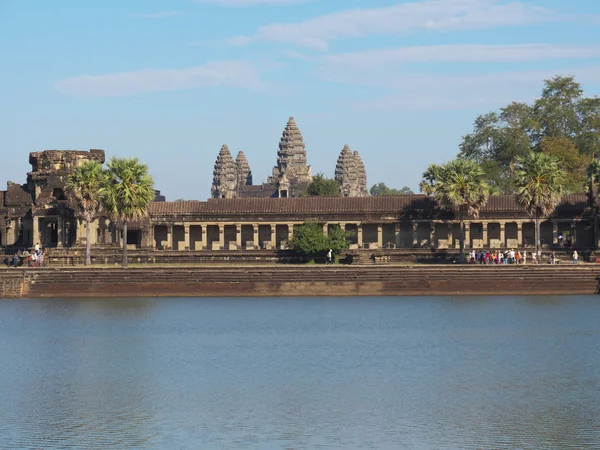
{"x": 171, "y": 81}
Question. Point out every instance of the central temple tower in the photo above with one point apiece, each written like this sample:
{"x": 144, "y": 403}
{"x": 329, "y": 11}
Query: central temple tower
{"x": 291, "y": 174}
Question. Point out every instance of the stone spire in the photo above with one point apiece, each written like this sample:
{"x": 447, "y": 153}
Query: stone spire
{"x": 346, "y": 173}
{"x": 224, "y": 176}
{"x": 242, "y": 168}
{"x": 363, "y": 191}
{"x": 291, "y": 157}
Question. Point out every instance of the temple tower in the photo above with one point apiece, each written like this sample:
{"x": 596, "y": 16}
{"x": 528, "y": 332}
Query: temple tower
{"x": 291, "y": 159}
{"x": 242, "y": 168}
{"x": 346, "y": 173}
{"x": 363, "y": 191}
{"x": 224, "y": 176}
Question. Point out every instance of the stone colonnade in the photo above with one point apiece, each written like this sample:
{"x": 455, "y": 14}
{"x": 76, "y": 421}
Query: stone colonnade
{"x": 479, "y": 234}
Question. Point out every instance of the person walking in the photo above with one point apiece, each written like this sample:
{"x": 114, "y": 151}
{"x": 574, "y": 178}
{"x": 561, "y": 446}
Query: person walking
{"x": 329, "y": 256}
{"x": 575, "y": 257}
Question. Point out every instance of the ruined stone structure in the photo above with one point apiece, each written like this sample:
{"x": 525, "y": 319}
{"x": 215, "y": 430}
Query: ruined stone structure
{"x": 40, "y": 212}
{"x": 350, "y": 174}
{"x": 292, "y": 174}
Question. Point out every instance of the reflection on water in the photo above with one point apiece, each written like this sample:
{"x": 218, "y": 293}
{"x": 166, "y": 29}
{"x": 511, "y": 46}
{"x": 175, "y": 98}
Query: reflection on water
{"x": 382, "y": 373}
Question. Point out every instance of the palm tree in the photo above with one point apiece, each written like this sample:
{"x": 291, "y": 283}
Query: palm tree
{"x": 459, "y": 185}
{"x": 539, "y": 186}
{"x": 83, "y": 188}
{"x": 127, "y": 194}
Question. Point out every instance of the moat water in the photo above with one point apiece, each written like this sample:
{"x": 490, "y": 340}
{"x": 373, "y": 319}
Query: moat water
{"x": 301, "y": 373}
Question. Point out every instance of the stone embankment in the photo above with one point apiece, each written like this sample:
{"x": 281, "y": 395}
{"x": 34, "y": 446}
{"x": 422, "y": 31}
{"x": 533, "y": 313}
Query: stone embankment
{"x": 299, "y": 281}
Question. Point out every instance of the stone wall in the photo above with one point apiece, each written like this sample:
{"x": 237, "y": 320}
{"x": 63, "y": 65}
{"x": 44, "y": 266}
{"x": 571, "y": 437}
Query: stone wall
{"x": 301, "y": 281}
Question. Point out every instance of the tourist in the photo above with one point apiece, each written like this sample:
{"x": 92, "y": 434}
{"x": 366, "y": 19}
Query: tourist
{"x": 16, "y": 260}
{"x": 553, "y": 258}
{"x": 524, "y": 256}
{"x": 561, "y": 240}
{"x": 533, "y": 258}
{"x": 518, "y": 257}
{"x": 329, "y": 260}
{"x": 575, "y": 257}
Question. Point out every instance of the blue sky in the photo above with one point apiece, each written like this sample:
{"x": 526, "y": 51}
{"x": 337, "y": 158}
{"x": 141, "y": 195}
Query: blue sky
{"x": 170, "y": 81}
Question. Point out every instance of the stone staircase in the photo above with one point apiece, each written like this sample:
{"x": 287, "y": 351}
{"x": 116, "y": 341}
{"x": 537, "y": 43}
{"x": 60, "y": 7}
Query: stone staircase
{"x": 305, "y": 281}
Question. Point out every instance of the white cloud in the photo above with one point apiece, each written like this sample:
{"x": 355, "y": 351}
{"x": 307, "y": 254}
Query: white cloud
{"x": 212, "y": 74}
{"x": 418, "y": 91}
{"x": 157, "y": 15}
{"x": 402, "y": 18}
{"x": 400, "y": 56}
{"x": 252, "y": 2}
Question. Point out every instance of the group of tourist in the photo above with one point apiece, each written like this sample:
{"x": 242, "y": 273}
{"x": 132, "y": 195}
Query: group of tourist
{"x": 34, "y": 258}
{"x": 511, "y": 257}
{"x": 500, "y": 257}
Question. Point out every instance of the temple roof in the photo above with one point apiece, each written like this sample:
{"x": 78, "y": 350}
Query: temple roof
{"x": 337, "y": 205}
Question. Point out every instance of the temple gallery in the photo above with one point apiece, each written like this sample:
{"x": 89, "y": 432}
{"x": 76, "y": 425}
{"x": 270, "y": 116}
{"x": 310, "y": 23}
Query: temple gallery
{"x": 241, "y": 216}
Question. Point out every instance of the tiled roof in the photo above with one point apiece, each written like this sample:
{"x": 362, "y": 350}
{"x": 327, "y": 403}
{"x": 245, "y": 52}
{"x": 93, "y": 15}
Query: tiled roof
{"x": 333, "y": 205}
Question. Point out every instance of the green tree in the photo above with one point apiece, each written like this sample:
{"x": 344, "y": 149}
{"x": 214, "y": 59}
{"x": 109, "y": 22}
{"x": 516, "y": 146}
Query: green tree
{"x": 561, "y": 113}
{"x": 83, "y": 188}
{"x": 380, "y": 189}
{"x": 322, "y": 186}
{"x": 127, "y": 193}
{"x": 574, "y": 163}
{"x": 539, "y": 182}
{"x": 309, "y": 240}
{"x": 459, "y": 185}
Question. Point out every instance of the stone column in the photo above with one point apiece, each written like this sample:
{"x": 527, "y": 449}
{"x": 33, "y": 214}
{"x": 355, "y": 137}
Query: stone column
{"x": 151, "y": 244}
{"x": 467, "y": 234}
{"x": 273, "y": 236}
{"x": 204, "y": 235}
{"x": 554, "y": 232}
{"x": 255, "y": 237}
{"x": 60, "y": 224}
{"x": 520, "y": 233}
{"x": 186, "y": 236}
{"x": 486, "y": 243}
{"x": 170, "y": 237}
{"x": 573, "y": 234}
{"x": 450, "y": 237}
{"x": 36, "y": 231}
{"x": 502, "y": 234}
{"x": 325, "y": 229}
{"x": 379, "y": 236}
{"x": 432, "y": 234}
{"x": 290, "y": 231}
{"x": 415, "y": 233}
{"x": 359, "y": 235}
{"x": 398, "y": 235}
{"x": 238, "y": 236}
{"x": 221, "y": 237}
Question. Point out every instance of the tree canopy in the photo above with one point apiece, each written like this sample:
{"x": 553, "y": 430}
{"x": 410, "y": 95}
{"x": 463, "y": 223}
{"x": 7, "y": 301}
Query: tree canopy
{"x": 459, "y": 185}
{"x": 380, "y": 189}
{"x": 562, "y": 123}
{"x": 309, "y": 240}
{"x": 322, "y": 186}
{"x": 127, "y": 193}
{"x": 539, "y": 185}
{"x": 83, "y": 187}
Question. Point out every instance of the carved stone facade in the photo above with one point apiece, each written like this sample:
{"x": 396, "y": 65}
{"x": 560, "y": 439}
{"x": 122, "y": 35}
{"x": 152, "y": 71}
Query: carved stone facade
{"x": 225, "y": 177}
{"x": 38, "y": 212}
{"x": 350, "y": 174}
{"x": 292, "y": 174}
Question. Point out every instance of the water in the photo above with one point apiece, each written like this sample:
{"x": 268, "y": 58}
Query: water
{"x": 301, "y": 373}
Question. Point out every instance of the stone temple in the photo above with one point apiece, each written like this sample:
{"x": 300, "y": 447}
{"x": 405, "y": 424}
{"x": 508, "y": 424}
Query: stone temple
{"x": 290, "y": 177}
